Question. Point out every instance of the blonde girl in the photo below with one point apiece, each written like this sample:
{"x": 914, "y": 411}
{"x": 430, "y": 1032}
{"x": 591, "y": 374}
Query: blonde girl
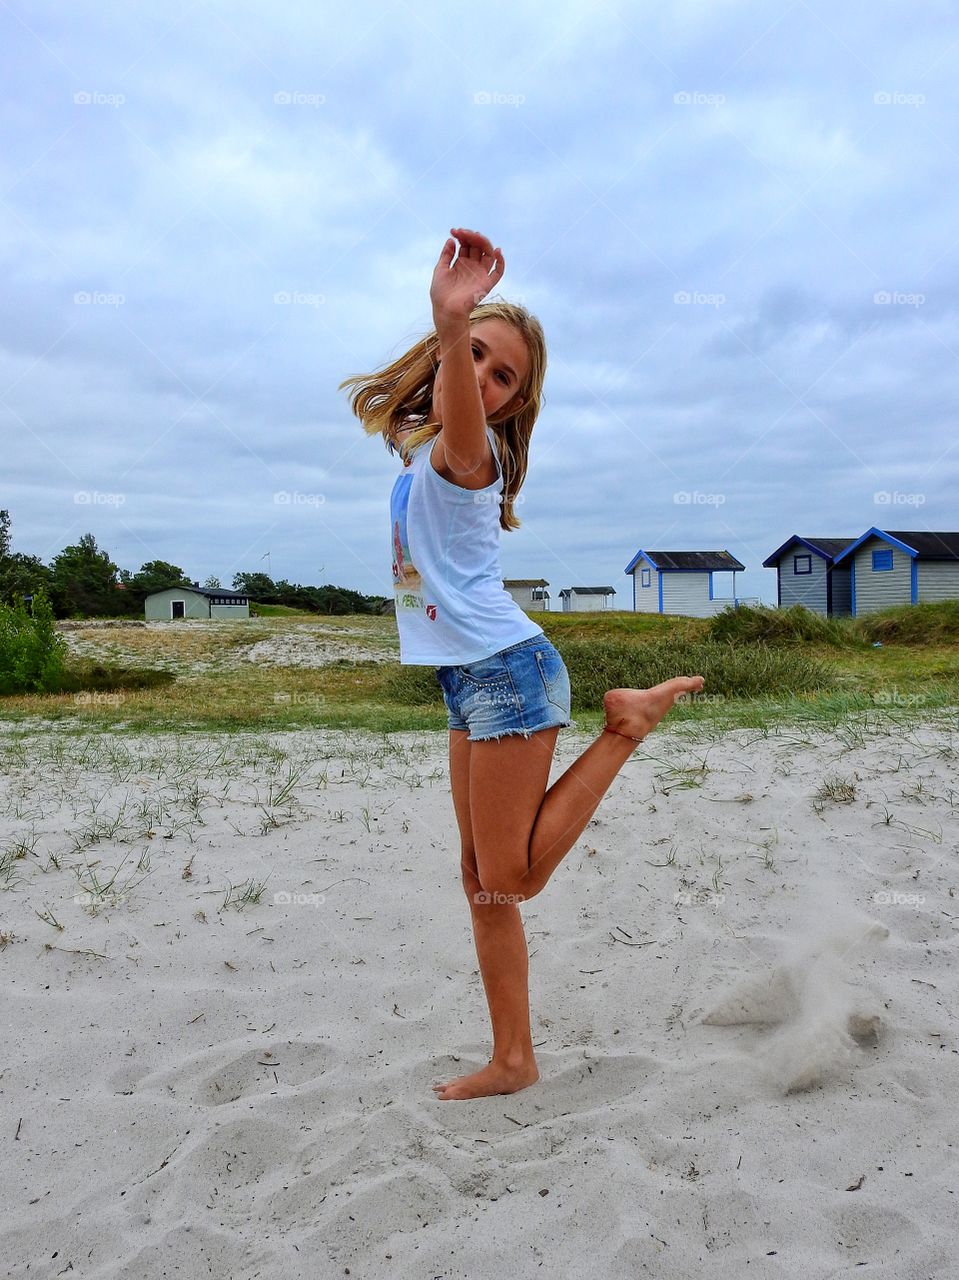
{"x": 459, "y": 407}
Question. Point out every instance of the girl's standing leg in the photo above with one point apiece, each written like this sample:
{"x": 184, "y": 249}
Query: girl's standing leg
{"x": 502, "y": 954}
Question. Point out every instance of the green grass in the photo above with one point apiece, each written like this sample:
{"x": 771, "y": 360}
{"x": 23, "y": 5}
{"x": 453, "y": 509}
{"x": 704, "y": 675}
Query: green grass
{"x": 754, "y": 683}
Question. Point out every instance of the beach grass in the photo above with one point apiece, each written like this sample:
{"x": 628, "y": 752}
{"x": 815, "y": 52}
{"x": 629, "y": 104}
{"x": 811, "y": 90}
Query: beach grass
{"x": 209, "y": 685}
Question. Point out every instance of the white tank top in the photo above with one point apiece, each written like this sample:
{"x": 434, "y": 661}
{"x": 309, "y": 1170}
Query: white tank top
{"x": 451, "y": 605}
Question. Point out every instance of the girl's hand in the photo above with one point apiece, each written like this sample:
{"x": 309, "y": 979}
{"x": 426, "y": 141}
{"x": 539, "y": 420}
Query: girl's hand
{"x": 456, "y": 290}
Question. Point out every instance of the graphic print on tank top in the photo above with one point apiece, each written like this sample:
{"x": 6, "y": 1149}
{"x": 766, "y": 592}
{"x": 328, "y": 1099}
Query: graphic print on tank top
{"x": 407, "y": 582}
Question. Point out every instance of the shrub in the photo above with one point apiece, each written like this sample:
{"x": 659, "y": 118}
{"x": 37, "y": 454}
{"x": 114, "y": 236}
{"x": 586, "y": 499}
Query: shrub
{"x": 928, "y": 623}
{"x": 762, "y": 624}
{"x": 730, "y": 671}
{"x": 32, "y": 653}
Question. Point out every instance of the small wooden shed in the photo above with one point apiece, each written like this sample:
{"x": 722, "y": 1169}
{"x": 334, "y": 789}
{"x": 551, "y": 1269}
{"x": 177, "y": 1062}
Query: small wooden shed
{"x": 893, "y": 566}
{"x": 195, "y": 602}
{"x": 807, "y": 574}
{"x": 587, "y": 599}
{"x": 529, "y": 593}
{"x": 681, "y": 582}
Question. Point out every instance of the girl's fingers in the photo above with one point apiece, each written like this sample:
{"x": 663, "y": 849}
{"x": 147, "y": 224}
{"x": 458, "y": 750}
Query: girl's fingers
{"x": 472, "y": 239}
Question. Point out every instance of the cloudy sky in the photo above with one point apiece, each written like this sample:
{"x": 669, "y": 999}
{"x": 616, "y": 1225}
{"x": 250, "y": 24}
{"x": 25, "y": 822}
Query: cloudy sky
{"x": 736, "y": 222}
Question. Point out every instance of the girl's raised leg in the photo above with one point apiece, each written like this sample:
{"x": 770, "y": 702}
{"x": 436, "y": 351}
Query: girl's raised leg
{"x": 522, "y": 835}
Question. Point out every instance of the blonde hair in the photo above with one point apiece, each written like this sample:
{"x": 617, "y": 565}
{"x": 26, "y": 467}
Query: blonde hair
{"x": 401, "y": 394}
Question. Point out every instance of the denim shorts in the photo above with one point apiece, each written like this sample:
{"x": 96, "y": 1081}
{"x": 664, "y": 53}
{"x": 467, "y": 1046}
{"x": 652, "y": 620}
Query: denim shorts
{"x": 521, "y": 689}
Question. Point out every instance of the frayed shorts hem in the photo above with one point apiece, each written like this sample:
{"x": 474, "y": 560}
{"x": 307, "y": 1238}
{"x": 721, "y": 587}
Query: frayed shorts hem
{"x": 527, "y": 733}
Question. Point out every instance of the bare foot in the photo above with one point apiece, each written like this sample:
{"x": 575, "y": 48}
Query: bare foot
{"x": 495, "y": 1077}
{"x": 637, "y": 712}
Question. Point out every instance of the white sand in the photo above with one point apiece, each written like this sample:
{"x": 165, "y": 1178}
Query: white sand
{"x": 191, "y": 1091}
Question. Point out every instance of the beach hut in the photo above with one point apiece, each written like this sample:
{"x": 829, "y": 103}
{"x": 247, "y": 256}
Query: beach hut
{"x": 529, "y": 593}
{"x": 681, "y": 582}
{"x": 806, "y": 574}
{"x": 586, "y": 599}
{"x": 194, "y": 602}
{"x": 894, "y": 566}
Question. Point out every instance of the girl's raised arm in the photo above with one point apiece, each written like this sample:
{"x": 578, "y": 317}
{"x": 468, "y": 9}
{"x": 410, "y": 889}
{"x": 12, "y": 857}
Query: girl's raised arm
{"x": 455, "y": 290}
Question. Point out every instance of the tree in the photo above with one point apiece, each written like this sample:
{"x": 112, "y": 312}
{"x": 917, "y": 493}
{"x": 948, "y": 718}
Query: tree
{"x": 213, "y": 584}
{"x": 158, "y": 575}
{"x": 83, "y": 581}
{"x": 20, "y": 575}
{"x": 258, "y": 586}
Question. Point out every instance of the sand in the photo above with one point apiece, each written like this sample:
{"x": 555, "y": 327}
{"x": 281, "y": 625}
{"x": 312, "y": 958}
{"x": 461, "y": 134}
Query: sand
{"x": 748, "y": 1052}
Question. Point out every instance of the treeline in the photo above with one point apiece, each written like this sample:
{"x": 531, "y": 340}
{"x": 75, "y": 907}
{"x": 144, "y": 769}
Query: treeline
{"x": 82, "y": 581}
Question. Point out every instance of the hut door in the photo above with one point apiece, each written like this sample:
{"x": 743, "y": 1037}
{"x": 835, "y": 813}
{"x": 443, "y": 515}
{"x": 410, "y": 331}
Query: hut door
{"x": 177, "y": 607}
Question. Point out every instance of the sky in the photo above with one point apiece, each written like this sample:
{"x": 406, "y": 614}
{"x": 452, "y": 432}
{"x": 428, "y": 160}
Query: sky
{"x": 736, "y": 222}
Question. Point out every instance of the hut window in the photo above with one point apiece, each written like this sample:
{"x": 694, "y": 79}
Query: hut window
{"x": 802, "y": 564}
{"x": 644, "y": 578}
{"x": 882, "y": 560}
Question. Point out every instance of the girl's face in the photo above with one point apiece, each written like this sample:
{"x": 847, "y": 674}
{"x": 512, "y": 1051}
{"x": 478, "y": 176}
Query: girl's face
{"x": 502, "y": 366}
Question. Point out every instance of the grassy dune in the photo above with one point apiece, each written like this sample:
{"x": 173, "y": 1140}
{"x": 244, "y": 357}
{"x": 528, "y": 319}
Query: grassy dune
{"x": 762, "y": 667}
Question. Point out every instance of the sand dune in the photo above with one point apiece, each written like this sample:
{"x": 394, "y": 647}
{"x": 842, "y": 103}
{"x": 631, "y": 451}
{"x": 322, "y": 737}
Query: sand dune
{"x": 748, "y": 1052}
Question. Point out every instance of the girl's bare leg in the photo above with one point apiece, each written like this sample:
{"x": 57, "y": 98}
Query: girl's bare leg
{"x": 524, "y": 832}
{"x": 503, "y": 959}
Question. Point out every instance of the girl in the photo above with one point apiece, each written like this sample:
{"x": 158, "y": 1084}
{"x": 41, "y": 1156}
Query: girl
{"x": 460, "y": 406}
